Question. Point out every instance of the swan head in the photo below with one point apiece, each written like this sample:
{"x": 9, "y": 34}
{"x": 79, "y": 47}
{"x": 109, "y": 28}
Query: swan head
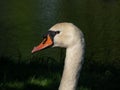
{"x": 59, "y": 35}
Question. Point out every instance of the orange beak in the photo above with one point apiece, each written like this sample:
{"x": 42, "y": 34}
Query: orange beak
{"x": 44, "y": 44}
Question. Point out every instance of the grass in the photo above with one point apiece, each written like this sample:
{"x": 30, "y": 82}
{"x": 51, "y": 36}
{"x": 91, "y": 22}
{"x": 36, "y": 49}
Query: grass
{"x": 44, "y": 75}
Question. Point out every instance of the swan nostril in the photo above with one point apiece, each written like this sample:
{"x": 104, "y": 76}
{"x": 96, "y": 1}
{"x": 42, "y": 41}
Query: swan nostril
{"x": 44, "y": 40}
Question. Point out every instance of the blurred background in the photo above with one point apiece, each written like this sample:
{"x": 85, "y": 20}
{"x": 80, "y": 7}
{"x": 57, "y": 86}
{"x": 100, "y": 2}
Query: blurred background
{"x": 22, "y": 24}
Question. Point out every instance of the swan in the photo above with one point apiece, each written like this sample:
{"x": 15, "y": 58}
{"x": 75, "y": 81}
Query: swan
{"x": 68, "y": 36}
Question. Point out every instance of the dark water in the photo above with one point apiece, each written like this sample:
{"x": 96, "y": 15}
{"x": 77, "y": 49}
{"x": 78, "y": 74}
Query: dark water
{"x": 22, "y": 23}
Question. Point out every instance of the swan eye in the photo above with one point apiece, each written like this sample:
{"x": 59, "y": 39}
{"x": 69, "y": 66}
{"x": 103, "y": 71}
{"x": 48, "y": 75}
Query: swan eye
{"x": 57, "y": 32}
{"x": 51, "y": 33}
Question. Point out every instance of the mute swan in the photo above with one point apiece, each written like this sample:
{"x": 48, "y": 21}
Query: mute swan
{"x": 66, "y": 35}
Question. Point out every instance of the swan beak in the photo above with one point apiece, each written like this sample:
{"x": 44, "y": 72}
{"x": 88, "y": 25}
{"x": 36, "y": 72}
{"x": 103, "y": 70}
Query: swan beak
{"x": 47, "y": 42}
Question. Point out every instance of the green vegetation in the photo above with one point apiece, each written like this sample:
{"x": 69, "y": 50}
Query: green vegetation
{"x": 38, "y": 74}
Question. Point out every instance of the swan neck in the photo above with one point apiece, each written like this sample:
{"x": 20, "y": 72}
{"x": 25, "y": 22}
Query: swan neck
{"x": 72, "y": 67}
